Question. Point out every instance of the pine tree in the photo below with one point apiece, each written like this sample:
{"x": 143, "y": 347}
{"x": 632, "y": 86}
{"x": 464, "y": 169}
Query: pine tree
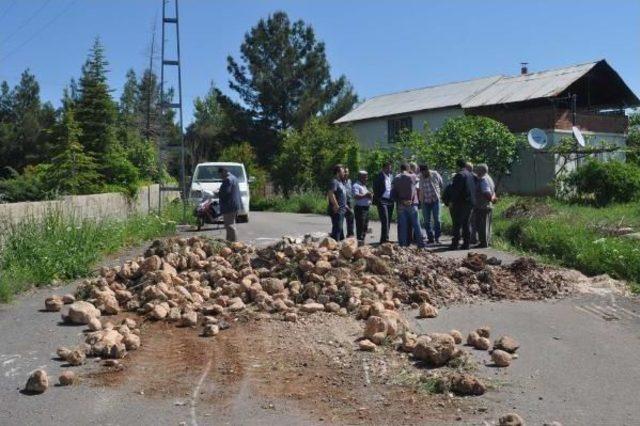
{"x": 72, "y": 171}
{"x": 283, "y": 78}
{"x": 129, "y": 101}
{"x": 96, "y": 111}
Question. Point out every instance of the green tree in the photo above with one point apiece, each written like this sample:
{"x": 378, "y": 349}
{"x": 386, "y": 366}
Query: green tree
{"x": 72, "y": 171}
{"x": 96, "y": 112}
{"x": 307, "y": 156}
{"x": 633, "y": 138}
{"x": 477, "y": 139}
{"x": 244, "y": 153}
{"x": 283, "y": 77}
{"x": 205, "y": 137}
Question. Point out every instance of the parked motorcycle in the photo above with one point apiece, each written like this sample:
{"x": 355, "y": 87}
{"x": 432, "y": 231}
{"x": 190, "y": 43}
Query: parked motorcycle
{"x": 207, "y": 210}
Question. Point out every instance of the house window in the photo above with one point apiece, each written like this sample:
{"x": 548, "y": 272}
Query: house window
{"x": 395, "y": 126}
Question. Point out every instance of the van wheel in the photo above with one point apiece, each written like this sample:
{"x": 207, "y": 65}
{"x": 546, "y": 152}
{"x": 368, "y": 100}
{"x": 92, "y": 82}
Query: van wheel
{"x": 243, "y": 219}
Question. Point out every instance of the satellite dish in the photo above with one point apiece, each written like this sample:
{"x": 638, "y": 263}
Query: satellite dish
{"x": 577, "y": 134}
{"x": 537, "y": 138}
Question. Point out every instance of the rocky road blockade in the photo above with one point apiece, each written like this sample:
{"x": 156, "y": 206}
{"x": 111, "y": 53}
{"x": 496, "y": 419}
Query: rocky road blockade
{"x": 207, "y": 286}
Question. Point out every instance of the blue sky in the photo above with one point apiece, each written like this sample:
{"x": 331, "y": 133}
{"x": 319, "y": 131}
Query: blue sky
{"x": 381, "y": 46}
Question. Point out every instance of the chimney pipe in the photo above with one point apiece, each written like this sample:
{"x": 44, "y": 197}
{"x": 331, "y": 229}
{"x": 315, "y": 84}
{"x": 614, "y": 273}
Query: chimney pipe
{"x": 523, "y": 68}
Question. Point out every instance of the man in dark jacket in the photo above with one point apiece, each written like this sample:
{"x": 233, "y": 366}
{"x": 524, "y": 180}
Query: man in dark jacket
{"x": 382, "y": 200}
{"x": 461, "y": 201}
{"x": 230, "y": 202}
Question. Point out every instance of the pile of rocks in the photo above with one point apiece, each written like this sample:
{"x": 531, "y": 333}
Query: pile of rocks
{"x": 197, "y": 282}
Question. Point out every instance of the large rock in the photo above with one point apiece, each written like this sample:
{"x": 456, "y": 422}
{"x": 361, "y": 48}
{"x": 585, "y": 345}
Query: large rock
{"x": 466, "y": 384}
{"x": 507, "y": 344}
{"x": 349, "y": 248}
{"x": 312, "y": 307}
{"x": 158, "y": 312}
{"x": 376, "y": 329}
{"x": 131, "y": 341}
{"x": 367, "y": 345}
{"x": 189, "y": 319}
{"x": 436, "y": 349}
{"x": 427, "y": 310}
{"x": 501, "y": 358}
{"x": 511, "y": 419}
{"x": 377, "y": 265}
{"x": 457, "y": 336}
{"x": 53, "y": 303}
{"x": 38, "y": 382}
{"x": 76, "y": 357}
{"x": 482, "y": 344}
{"x": 150, "y": 264}
{"x": 329, "y": 243}
{"x": 272, "y": 285}
{"x": 82, "y": 312}
{"x": 67, "y": 378}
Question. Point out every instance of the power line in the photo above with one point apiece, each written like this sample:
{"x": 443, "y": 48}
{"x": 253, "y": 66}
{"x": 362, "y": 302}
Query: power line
{"x": 44, "y": 27}
{"x": 7, "y": 9}
{"x": 26, "y": 21}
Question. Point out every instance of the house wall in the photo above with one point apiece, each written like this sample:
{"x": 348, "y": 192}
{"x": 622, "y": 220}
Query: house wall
{"x": 534, "y": 172}
{"x": 374, "y": 132}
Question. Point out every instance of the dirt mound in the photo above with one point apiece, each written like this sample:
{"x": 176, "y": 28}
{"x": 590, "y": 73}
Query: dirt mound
{"x": 522, "y": 210}
{"x": 209, "y": 285}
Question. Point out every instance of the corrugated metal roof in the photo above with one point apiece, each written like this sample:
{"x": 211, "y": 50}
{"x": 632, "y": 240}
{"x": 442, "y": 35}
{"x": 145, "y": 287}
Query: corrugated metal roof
{"x": 471, "y": 93}
{"x": 537, "y": 85}
{"x": 443, "y": 96}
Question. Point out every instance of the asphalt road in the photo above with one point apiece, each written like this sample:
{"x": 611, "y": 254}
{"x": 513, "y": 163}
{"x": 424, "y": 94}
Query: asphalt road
{"x": 579, "y": 362}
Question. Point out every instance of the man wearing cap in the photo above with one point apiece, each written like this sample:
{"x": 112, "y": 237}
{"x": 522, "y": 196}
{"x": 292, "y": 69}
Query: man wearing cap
{"x": 362, "y": 198}
{"x": 230, "y": 202}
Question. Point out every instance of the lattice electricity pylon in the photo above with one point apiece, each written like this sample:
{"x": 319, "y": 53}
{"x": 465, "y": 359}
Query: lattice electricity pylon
{"x": 172, "y": 22}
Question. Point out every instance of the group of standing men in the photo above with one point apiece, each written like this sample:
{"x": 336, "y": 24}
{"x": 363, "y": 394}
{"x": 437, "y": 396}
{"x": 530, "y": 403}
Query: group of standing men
{"x": 469, "y": 196}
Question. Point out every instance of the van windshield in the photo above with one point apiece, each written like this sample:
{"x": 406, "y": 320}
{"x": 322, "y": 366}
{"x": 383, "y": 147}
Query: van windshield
{"x": 210, "y": 173}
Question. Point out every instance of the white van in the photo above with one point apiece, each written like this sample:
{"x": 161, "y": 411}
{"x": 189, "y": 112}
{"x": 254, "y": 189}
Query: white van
{"x": 207, "y": 178}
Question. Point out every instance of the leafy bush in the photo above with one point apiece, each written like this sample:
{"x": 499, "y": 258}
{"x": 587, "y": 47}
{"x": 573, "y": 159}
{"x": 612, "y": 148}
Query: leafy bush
{"x": 477, "y": 139}
{"x": 603, "y": 183}
{"x": 306, "y": 157}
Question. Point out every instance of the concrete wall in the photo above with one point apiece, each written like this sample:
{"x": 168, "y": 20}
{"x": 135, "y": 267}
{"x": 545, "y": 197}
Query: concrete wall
{"x": 534, "y": 173}
{"x": 375, "y": 131}
{"x": 96, "y": 206}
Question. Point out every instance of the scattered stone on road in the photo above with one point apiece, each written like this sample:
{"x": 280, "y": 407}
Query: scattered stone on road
{"x": 38, "y": 382}
{"x": 367, "y": 345}
{"x": 67, "y": 378}
{"x": 457, "y": 336}
{"x": 507, "y": 344}
{"x": 427, "y": 310}
{"x": 53, "y": 303}
{"x": 511, "y": 419}
{"x": 501, "y": 358}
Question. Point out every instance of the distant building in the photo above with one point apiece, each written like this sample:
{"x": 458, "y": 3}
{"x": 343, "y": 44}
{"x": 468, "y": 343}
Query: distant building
{"x": 522, "y": 102}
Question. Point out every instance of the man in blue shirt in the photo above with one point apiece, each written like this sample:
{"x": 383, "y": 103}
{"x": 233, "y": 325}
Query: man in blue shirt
{"x": 230, "y": 202}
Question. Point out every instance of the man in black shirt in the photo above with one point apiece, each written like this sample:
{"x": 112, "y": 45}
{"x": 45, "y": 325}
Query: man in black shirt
{"x": 382, "y": 199}
{"x": 461, "y": 200}
{"x": 337, "y": 198}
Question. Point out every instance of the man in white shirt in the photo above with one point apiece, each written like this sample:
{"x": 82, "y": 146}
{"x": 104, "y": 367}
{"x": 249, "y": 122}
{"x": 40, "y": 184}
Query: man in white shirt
{"x": 483, "y": 208}
{"x": 362, "y": 197}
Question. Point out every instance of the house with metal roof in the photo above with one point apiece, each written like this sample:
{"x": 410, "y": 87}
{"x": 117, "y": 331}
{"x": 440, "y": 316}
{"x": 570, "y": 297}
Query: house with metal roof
{"x": 591, "y": 96}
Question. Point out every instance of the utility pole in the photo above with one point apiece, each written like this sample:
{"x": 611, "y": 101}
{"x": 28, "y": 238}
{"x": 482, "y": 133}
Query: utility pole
{"x": 168, "y": 21}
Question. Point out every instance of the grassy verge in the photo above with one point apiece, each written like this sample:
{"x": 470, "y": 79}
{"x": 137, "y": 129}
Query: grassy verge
{"x": 574, "y": 236}
{"x": 39, "y": 252}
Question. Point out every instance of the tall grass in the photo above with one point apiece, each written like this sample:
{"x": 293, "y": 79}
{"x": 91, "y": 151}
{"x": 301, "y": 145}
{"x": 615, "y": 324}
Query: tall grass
{"x": 575, "y": 236}
{"x": 38, "y": 252}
